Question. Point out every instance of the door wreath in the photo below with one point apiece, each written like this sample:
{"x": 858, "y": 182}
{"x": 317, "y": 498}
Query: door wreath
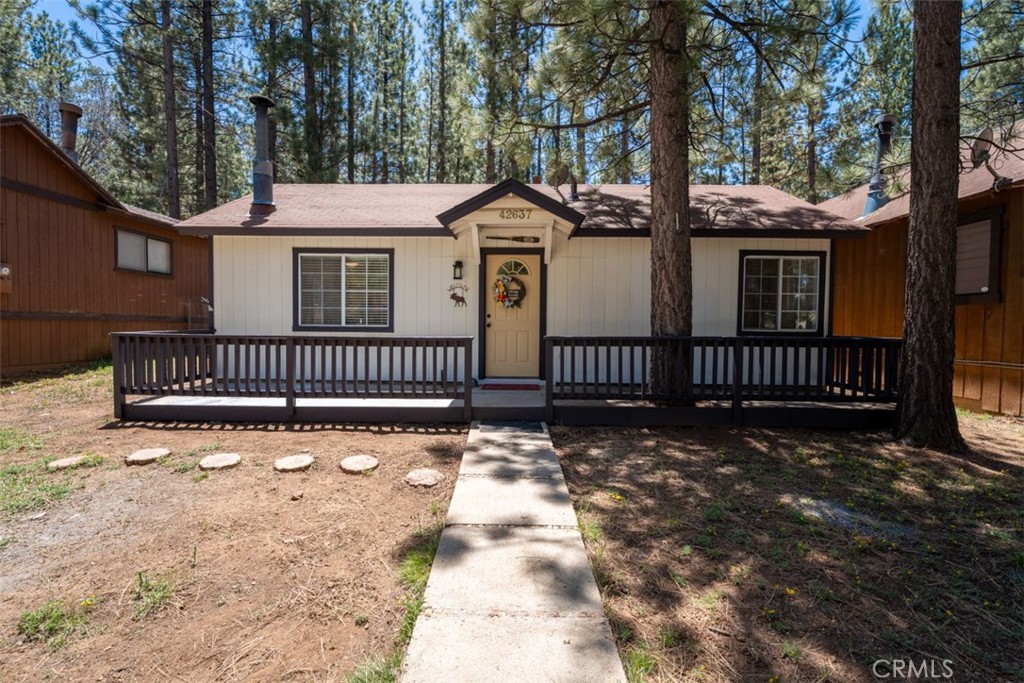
{"x": 509, "y": 291}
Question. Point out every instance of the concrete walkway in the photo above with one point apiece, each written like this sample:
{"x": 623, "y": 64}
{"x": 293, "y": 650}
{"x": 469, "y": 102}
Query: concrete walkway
{"x": 511, "y": 596}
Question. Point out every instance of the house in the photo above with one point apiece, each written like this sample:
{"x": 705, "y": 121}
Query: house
{"x": 77, "y": 264}
{"x": 325, "y": 296}
{"x": 870, "y": 275}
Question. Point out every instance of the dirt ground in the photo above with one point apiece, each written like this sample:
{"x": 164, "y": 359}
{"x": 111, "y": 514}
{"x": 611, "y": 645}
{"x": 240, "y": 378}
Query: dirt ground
{"x": 715, "y": 564}
{"x": 276, "y": 577}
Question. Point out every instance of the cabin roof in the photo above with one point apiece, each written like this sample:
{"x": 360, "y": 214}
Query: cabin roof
{"x": 974, "y": 182}
{"x": 426, "y": 209}
{"x": 107, "y": 199}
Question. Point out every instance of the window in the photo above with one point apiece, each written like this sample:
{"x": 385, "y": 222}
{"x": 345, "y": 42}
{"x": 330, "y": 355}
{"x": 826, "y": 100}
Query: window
{"x": 514, "y": 267}
{"x": 343, "y": 290}
{"x": 977, "y": 257}
{"x": 136, "y": 251}
{"x": 781, "y": 293}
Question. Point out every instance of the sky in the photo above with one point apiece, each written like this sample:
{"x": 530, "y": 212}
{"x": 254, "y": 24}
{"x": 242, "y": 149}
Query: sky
{"x": 60, "y": 9}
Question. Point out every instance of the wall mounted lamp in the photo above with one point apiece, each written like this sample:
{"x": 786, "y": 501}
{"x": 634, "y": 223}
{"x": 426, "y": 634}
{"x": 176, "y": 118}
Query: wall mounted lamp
{"x": 457, "y": 270}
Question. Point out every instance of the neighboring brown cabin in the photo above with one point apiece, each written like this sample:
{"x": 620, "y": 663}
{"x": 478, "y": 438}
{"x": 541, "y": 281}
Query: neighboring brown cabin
{"x": 77, "y": 264}
{"x": 870, "y": 276}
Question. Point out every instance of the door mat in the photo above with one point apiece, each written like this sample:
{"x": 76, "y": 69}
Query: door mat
{"x": 511, "y": 387}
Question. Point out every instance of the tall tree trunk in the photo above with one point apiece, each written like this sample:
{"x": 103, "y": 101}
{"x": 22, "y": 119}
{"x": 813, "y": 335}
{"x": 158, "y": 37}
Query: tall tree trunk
{"x": 671, "y": 266}
{"x": 491, "y": 98}
{"x": 402, "y": 116}
{"x": 925, "y": 413}
{"x": 170, "y": 113}
{"x": 755, "y": 133}
{"x": 442, "y": 92}
{"x": 272, "y": 87}
{"x": 198, "y": 147}
{"x": 209, "y": 124}
{"x": 812, "y": 155}
{"x": 350, "y": 100}
{"x": 625, "y": 164}
{"x": 581, "y": 154}
{"x": 312, "y": 138}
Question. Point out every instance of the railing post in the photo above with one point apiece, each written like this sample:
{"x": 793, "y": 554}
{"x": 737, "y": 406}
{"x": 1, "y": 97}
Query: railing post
{"x": 117, "y": 359}
{"x": 467, "y": 381}
{"x": 549, "y": 380}
{"x": 289, "y": 393}
{"x": 737, "y": 383}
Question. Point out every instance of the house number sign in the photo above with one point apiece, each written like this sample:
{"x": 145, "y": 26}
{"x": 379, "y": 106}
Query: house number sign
{"x": 515, "y": 214}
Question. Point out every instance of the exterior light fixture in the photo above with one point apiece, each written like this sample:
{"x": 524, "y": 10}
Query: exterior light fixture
{"x": 457, "y": 270}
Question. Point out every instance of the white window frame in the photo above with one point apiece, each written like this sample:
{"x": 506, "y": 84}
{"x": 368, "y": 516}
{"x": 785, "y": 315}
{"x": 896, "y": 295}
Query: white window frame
{"x": 819, "y": 310}
{"x": 298, "y": 325}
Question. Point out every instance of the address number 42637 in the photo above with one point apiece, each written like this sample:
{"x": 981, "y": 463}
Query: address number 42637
{"x": 515, "y": 214}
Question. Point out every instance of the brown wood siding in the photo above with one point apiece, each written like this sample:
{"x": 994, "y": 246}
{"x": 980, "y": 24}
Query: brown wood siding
{"x": 62, "y": 258}
{"x": 868, "y": 300}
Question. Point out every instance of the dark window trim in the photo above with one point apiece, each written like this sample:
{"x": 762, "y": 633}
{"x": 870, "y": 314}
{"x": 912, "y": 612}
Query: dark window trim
{"x": 485, "y": 292}
{"x": 822, "y": 279}
{"x": 122, "y": 269}
{"x": 297, "y": 327}
{"x": 994, "y": 295}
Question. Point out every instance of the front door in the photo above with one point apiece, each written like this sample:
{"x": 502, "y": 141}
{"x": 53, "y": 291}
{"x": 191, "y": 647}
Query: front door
{"x": 512, "y": 310}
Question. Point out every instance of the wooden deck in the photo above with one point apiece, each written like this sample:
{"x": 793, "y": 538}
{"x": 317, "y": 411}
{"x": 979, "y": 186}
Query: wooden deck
{"x": 840, "y": 383}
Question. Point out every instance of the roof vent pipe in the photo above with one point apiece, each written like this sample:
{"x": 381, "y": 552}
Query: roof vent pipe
{"x": 574, "y": 189}
{"x": 876, "y": 188}
{"x": 69, "y": 115}
{"x": 262, "y": 166}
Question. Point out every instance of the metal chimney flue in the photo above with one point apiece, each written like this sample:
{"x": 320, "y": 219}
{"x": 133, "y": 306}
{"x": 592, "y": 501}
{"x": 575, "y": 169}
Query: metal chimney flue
{"x": 262, "y": 166}
{"x": 69, "y": 115}
{"x": 876, "y": 187}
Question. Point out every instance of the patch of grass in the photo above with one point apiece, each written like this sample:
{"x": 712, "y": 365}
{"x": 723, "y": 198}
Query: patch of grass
{"x": 413, "y": 572}
{"x": 200, "y": 476}
{"x": 639, "y": 662}
{"x": 51, "y": 624}
{"x": 12, "y": 439}
{"x": 791, "y": 650}
{"x": 184, "y": 466}
{"x": 362, "y": 620}
{"x": 589, "y": 527}
{"x": 27, "y": 487}
{"x": 152, "y": 594}
{"x": 714, "y": 513}
{"x": 6, "y": 541}
{"x": 377, "y": 670}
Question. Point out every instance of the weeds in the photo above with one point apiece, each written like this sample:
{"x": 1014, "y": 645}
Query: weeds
{"x": 152, "y": 594}
{"x": 413, "y": 573}
{"x": 639, "y": 662}
{"x": 26, "y": 487}
{"x": 52, "y": 624}
{"x": 12, "y": 439}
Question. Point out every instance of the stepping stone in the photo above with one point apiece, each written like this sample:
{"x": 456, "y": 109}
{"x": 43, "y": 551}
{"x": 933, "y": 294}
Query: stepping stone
{"x": 220, "y": 461}
{"x": 425, "y": 477}
{"x": 65, "y": 463}
{"x": 358, "y": 464}
{"x": 146, "y": 456}
{"x": 294, "y": 463}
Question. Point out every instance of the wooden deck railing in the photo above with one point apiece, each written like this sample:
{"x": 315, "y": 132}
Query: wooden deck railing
{"x": 181, "y": 364}
{"x": 723, "y": 368}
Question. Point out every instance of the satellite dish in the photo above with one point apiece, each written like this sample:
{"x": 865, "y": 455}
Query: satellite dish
{"x": 981, "y": 146}
{"x": 560, "y": 176}
{"x": 981, "y": 156}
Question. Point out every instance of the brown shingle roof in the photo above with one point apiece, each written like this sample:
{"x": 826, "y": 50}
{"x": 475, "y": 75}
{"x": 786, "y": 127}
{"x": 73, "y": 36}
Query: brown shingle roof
{"x": 412, "y": 210}
{"x": 974, "y": 182}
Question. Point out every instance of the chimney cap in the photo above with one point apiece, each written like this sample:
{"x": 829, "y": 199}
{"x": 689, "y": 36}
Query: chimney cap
{"x": 70, "y": 108}
{"x": 261, "y": 101}
{"x": 885, "y": 118}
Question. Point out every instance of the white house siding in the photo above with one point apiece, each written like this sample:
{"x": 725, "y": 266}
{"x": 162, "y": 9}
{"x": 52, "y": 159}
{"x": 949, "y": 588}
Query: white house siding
{"x": 595, "y": 286}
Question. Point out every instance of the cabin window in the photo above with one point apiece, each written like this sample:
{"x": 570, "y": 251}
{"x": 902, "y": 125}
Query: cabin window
{"x": 781, "y": 293}
{"x": 343, "y": 290}
{"x": 977, "y": 258}
{"x": 136, "y": 251}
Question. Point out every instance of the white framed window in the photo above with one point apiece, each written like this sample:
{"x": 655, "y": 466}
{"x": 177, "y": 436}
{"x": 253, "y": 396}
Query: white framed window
{"x": 337, "y": 289}
{"x": 141, "y": 252}
{"x": 781, "y": 293}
